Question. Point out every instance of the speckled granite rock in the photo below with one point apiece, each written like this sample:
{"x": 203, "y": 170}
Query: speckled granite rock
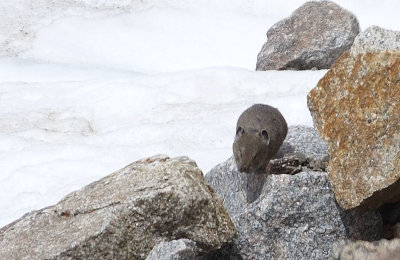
{"x": 124, "y": 215}
{"x": 285, "y": 216}
{"x": 245, "y": 188}
{"x": 362, "y": 250}
{"x": 314, "y": 36}
{"x": 376, "y": 39}
{"x": 304, "y": 140}
{"x": 356, "y": 109}
{"x": 182, "y": 249}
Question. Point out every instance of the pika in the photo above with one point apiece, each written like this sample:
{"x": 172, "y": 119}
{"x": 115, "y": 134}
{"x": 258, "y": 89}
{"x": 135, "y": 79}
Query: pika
{"x": 260, "y": 132}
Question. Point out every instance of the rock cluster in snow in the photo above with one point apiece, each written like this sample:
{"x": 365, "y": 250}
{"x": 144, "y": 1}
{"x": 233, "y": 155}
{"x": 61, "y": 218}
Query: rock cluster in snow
{"x": 314, "y": 36}
{"x": 163, "y": 208}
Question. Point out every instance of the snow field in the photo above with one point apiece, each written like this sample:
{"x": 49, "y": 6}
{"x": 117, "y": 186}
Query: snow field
{"x": 95, "y": 87}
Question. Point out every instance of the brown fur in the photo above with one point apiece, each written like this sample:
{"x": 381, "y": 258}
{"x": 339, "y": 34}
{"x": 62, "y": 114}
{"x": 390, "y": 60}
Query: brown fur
{"x": 260, "y": 132}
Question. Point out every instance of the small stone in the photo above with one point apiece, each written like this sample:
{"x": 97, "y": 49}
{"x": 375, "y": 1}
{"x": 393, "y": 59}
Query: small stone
{"x": 182, "y": 249}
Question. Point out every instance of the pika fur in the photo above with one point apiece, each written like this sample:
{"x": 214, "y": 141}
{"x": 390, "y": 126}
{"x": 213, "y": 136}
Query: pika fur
{"x": 260, "y": 132}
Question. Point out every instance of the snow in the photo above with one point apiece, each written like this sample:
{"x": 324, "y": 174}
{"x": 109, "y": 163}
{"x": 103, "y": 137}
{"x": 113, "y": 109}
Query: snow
{"x": 87, "y": 87}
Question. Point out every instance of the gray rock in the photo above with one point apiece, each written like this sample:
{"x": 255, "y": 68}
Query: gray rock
{"x": 246, "y": 188}
{"x": 306, "y": 141}
{"x": 288, "y": 216}
{"x": 235, "y": 189}
{"x": 314, "y": 36}
{"x": 362, "y": 250}
{"x": 375, "y": 39}
{"x": 182, "y": 249}
{"x": 124, "y": 215}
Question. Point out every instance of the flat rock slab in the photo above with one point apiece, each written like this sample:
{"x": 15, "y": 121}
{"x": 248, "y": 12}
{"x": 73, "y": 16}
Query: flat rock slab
{"x": 356, "y": 109}
{"x": 124, "y": 215}
{"x": 314, "y": 36}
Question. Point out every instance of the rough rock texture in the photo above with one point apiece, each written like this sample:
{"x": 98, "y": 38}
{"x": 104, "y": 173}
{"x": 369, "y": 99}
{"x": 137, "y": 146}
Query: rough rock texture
{"x": 376, "y": 39}
{"x": 362, "y": 250}
{"x": 182, "y": 249}
{"x": 246, "y": 188}
{"x": 314, "y": 36}
{"x": 285, "y": 216}
{"x": 356, "y": 109}
{"x": 124, "y": 215}
{"x": 304, "y": 140}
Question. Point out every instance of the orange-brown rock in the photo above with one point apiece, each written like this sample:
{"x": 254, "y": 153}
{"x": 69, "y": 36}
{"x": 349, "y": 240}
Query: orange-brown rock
{"x": 356, "y": 109}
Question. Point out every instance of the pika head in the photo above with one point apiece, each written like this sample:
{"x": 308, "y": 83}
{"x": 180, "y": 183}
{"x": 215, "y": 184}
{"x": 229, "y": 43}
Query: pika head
{"x": 260, "y": 132}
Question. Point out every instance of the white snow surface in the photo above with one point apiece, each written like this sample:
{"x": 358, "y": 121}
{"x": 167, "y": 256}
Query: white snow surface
{"x": 89, "y": 86}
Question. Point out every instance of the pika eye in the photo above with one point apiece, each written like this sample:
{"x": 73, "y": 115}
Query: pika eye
{"x": 265, "y": 136}
{"x": 239, "y": 131}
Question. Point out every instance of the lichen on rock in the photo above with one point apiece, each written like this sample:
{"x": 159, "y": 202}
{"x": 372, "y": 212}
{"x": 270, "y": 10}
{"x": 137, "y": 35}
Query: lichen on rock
{"x": 356, "y": 109}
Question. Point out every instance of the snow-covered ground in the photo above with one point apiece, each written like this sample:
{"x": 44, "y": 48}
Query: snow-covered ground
{"x": 89, "y": 86}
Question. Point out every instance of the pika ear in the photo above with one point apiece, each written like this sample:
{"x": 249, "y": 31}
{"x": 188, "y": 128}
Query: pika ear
{"x": 239, "y": 131}
{"x": 265, "y": 136}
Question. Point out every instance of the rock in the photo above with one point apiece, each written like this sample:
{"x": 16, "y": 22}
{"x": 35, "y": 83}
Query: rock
{"x": 124, "y": 215}
{"x": 245, "y": 188}
{"x": 289, "y": 164}
{"x": 313, "y": 37}
{"x": 302, "y": 147}
{"x": 287, "y": 216}
{"x": 356, "y": 110}
{"x": 182, "y": 249}
{"x": 304, "y": 140}
{"x": 376, "y": 39}
{"x": 361, "y": 250}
